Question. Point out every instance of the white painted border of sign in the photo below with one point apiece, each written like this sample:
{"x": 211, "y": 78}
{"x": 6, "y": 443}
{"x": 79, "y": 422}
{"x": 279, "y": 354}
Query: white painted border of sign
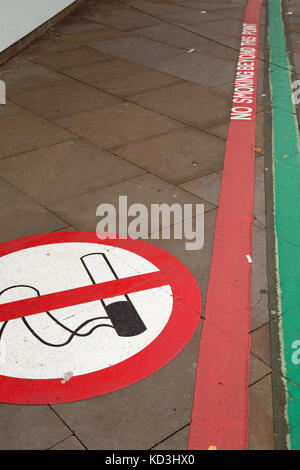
{"x": 187, "y": 306}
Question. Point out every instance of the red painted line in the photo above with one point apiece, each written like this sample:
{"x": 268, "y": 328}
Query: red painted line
{"x": 80, "y": 295}
{"x": 220, "y": 412}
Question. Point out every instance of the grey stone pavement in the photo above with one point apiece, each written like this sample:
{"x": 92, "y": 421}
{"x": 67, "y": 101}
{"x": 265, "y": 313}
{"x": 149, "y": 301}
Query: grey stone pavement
{"x": 131, "y": 98}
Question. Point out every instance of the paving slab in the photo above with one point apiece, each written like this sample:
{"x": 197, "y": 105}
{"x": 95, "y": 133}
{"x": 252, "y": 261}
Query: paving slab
{"x": 103, "y": 34}
{"x": 232, "y": 27}
{"x": 180, "y": 37}
{"x": 65, "y": 170}
{"x": 295, "y": 41}
{"x": 259, "y": 203}
{"x": 189, "y": 103}
{"x": 208, "y": 187}
{"x": 60, "y": 61}
{"x": 118, "y": 124}
{"x": 162, "y": 405}
{"x": 16, "y": 62}
{"x": 94, "y": 9}
{"x": 30, "y": 427}
{"x": 93, "y": 14}
{"x": 234, "y": 12}
{"x": 159, "y": 9}
{"x": 135, "y": 49}
{"x": 212, "y": 35}
{"x": 209, "y": 6}
{"x": 258, "y": 369}
{"x": 20, "y": 73}
{"x": 147, "y": 189}
{"x": 10, "y": 108}
{"x": 259, "y": 282}
{"x": 23, "y": 216}
{"x": 260, "y": 343}
{"x": 172, "y": 35}
{"x": 295, "y": 38}
{"x": 261, "y": 433}
{"x": 294, "y": 23}
{"x": 71, "y": 443}
{"x": 217, "y": 50}
{"x": 234, "y": 42}
{"x": 62, "y": 98}
{"x": 72, "y": 24}
{"x": 297, "y": 62}
{"x": 176, "y": 157}
{"x": 190, "y": 16}
{"x": 21, "y": 132}
{"x": 137, "y": 83}
{"x": 203, "y": 68}
{"x": 114, "y": 69}
{"x": 47, "y": 44}
{"x": 124, "y": 19}
{"x": 177, "y": 441}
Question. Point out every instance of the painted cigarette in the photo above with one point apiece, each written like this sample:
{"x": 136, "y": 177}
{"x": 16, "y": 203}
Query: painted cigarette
{"x": 120, "y": 310}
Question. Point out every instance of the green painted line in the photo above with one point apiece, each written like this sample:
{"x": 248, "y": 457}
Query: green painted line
{"x": 286, "y": 173}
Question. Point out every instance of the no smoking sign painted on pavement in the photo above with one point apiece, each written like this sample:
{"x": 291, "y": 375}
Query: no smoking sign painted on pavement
{"x": 80, "y": 317}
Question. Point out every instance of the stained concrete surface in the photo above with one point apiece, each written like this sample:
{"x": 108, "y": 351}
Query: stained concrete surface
{"x": 115, "y": 101}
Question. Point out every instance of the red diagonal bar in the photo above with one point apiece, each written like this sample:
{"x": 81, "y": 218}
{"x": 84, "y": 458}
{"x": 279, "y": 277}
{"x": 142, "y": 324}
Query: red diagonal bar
{"x": 81, "y": 295}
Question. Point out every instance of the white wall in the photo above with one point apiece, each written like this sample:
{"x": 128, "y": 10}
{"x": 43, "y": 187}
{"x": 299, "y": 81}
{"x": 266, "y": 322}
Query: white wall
{"x": 20, "y": 17}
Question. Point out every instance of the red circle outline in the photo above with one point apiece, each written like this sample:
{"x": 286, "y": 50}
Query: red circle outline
{"x": 178, "y": 331}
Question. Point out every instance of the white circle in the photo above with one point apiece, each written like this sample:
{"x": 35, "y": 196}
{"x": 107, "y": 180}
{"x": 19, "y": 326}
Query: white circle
{"x": 57, "y": 267}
